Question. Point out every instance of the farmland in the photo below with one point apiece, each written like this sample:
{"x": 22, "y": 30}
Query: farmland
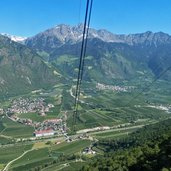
{"x": 13, "y": 129}
{"x": 39, "y": 156}
{"x": 117, "y": 111}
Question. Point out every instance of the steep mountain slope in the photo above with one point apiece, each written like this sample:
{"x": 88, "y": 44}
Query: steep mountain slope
{"x": 108, "y": 55}
{"x": 21, "y": 69}
{"x": 115, "y": 60}
{"x": 104, "y": 60}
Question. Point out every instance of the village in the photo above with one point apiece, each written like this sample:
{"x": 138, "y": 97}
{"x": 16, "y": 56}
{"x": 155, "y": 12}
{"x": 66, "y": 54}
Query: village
{"x": 48, "y": 127}
{"x": 100, "y": 86}
{"x": 28, "y": 105}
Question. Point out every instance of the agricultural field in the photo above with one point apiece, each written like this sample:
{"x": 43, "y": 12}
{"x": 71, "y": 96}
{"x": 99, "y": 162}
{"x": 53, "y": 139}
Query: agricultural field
{"x": 13, "y": 129}
{"x": 32, "y": 158}
{"x": 70, "y": 148}
{"x": 39, "y": 154}
{"x": 9, "y": 153}
{"x": 98, "y": 109}
{"x": 113, "y": 133}
{"x": 6, "y": 140}
{"x": 70, "y": 166}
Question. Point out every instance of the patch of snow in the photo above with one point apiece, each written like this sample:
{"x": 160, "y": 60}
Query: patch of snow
{"x": 14, "y": 38}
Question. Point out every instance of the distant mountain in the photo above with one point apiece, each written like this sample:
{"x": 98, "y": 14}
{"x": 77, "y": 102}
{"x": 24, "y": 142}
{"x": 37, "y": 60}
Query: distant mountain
{"x": 64, "y": 34}
{"x": 22, "y": 70}
{"x": 108, "y": 55}
{"x": 18, "y": 39}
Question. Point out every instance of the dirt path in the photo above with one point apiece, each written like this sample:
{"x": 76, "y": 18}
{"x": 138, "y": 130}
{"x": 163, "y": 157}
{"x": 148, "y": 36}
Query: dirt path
{"x": 7, "y": 166}
{"x": 72, "y": 95}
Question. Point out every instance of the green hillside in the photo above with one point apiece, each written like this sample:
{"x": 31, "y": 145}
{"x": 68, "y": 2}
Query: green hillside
{"x": 22, "y": 70}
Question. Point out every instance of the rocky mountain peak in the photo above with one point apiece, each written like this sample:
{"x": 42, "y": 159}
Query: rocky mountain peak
{"x": 147, "y": 38}
{"x": 66, "y": 34}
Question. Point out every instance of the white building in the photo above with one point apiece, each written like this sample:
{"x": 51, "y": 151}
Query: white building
{"x": 43, "y": 133}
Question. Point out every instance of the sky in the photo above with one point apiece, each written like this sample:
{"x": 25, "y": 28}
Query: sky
{"x": 29, "y": 17}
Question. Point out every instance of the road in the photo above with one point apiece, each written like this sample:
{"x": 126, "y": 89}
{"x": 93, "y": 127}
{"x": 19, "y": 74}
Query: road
{"x": 116, "y": 129}
{"x": 72, "y": 95}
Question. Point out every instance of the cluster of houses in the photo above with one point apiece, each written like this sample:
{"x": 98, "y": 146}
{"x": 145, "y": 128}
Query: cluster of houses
{"x": 45, "y": 128}
{"x": 50, "y": 127}
{"x": 100, "y": 86}
{"x": 24, "y": 121}
{"x": 28, "y": 105}
{"x": 166, "y": 108}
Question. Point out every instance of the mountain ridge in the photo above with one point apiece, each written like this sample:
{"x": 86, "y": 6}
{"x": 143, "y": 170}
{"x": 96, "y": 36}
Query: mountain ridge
{"x": 65, "y": 34}
{"x": 117, "y": 56}
{"x": 125, "y": 58}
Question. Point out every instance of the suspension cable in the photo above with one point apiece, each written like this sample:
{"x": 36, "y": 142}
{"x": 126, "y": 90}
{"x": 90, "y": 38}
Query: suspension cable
{"x": 82, "y": 57}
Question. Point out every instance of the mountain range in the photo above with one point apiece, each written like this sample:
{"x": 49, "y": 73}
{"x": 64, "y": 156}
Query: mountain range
{"x": 32, "y": 61}
{"x": 112, "y": 55}
{"x": 65, "y": 34}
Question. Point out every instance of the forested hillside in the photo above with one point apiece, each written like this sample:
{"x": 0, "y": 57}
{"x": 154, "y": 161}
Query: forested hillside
{"x": 146, "y": 149}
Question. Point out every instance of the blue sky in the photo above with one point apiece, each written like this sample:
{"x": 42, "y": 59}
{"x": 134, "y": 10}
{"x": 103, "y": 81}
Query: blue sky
{"x": 29, "y": 17}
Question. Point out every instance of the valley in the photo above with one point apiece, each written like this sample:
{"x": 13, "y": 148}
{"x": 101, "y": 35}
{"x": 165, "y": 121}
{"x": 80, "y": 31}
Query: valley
{"x": 103, "y": 114}
{"x": 125, "y": 89}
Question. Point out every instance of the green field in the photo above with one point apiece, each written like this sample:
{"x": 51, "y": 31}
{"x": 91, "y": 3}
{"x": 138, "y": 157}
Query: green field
{"x": 101, "y": 117}
{"x": 1, "y": 124}
{"x": 5, "y": 140}
{"x": 73, "y": 166}
{"x": 70, "y": 166}
{"x": 108, "y": 108}
{"x": 16, "y": 130}
{"x": 100, "y": 108}
{"x": 113, "y": 132}
{"x": 32, "y": 159}
{"x": 70, "y": 148}
{"x": 39, "y": 157}
{"x": 9, "y": 153}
